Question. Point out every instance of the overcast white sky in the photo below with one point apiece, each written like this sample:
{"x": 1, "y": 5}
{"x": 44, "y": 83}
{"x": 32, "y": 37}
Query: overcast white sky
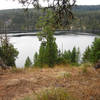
{"x": 9, "y": 4}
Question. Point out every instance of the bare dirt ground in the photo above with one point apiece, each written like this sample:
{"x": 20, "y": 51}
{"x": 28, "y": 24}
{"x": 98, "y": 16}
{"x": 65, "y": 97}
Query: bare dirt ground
{"x": 19, "y": 83}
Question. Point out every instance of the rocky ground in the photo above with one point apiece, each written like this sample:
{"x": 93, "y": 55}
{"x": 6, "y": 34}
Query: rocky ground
{"x": 17, "y": 83}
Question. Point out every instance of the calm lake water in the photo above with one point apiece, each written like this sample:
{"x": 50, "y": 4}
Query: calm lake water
{"x": 28, "y": 45}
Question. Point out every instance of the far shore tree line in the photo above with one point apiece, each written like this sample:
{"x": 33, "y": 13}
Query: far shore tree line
{"x": 17, "y": 20}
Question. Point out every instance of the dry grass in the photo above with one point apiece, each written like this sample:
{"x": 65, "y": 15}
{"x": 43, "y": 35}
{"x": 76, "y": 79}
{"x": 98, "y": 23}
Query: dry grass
{"x": 25, "y": 82}
{"x": 51, "y": 94}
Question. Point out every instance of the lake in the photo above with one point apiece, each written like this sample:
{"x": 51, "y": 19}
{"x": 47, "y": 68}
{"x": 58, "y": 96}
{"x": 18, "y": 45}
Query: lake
{"x": 28, "y": 45}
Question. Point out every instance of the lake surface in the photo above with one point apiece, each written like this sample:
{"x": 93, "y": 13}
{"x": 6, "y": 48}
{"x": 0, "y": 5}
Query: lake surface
{"x": 28, "y": 45}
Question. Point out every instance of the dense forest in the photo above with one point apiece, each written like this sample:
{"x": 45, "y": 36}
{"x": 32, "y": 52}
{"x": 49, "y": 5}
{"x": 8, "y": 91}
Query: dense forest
{"x": 86, "y": 19}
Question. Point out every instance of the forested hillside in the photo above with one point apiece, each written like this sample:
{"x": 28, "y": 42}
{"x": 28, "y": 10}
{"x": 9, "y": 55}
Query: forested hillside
{"x": 86, "y": 18}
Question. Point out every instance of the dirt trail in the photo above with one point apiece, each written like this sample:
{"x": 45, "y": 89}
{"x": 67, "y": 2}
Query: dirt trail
{"x": 85, "y": 86}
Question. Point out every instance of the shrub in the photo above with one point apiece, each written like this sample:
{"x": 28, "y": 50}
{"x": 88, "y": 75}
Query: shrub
{"x": 84, "y": 70}
{"x": 67, "y": 75}
{"x": 84, "y": 67}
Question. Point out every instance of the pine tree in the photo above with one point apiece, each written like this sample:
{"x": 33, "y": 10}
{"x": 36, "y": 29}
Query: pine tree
{"x": 42, "y": 55}
{"x": 73, "y": 55}
{"x": 87, "y": 54}
{"x": 28, "y": 63}
{"x": 51, "y": 50}
{"x": 7, "y": 52}
{"x": 92, "y": 54}
{"x": 36, "y": 59}
{"x": 96, "y": 50}
{"x": 67, "y": 56}
{"x": 48, "y": 50}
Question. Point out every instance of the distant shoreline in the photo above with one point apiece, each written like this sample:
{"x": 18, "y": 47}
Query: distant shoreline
{"x": 58, "y": 32}
{"x": 36, "y": 30}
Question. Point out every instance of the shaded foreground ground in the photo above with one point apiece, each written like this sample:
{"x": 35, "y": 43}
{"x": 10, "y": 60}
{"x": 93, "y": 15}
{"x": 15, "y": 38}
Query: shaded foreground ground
{"x": 16, "y": 84}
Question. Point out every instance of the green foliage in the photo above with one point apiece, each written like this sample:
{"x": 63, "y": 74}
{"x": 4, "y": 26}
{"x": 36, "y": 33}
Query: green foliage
{"x": 67, "y": 55}
{"x": 28, "y": 63}
{"x": 96, "y": 50}
{"x": 42, "y": 55}
{"x": 72, "y": 56}
{"x": 61, "y": 60}
{"x": 48, "y": 49}
{"x": 92, "y": 54}
{"x": 47, "y": 52}
{"x": 51, "y": 50}
{"x": 7, "y": 52}
{"x": 36, "y": 59}
{"x": 87, "y": 55}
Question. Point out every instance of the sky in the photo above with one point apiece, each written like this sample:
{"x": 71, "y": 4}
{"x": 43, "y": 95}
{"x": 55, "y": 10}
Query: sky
{"x": 9, "y": 4}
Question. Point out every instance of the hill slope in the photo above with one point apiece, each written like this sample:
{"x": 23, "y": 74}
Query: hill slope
{"x": 86, "y": 19}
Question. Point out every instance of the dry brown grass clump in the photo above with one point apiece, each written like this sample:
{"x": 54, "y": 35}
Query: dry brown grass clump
{"x": 51, "y": 94}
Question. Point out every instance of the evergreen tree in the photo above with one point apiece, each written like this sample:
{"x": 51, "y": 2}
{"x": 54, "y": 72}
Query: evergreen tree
{"x": 87, "y": 54}
{"x": 42, "y": 55}
{"x": 67, "y": 56}
{"x": 73, "y": 55}
{"x": 36, "y": 59}
{"x": 51, "y": 50}
{"x": 48, "y": 50}
{"x": 92, "y": 54}
{"x": 7, "y": 52}
{"x": 28, "y": 63}
{"x": 95, "y": 50}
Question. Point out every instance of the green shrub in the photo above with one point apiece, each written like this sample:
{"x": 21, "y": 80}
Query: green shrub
{"x": 84, "y": 67}
{"x": 87, "y": 65}
{"x": 67, "y": 75}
